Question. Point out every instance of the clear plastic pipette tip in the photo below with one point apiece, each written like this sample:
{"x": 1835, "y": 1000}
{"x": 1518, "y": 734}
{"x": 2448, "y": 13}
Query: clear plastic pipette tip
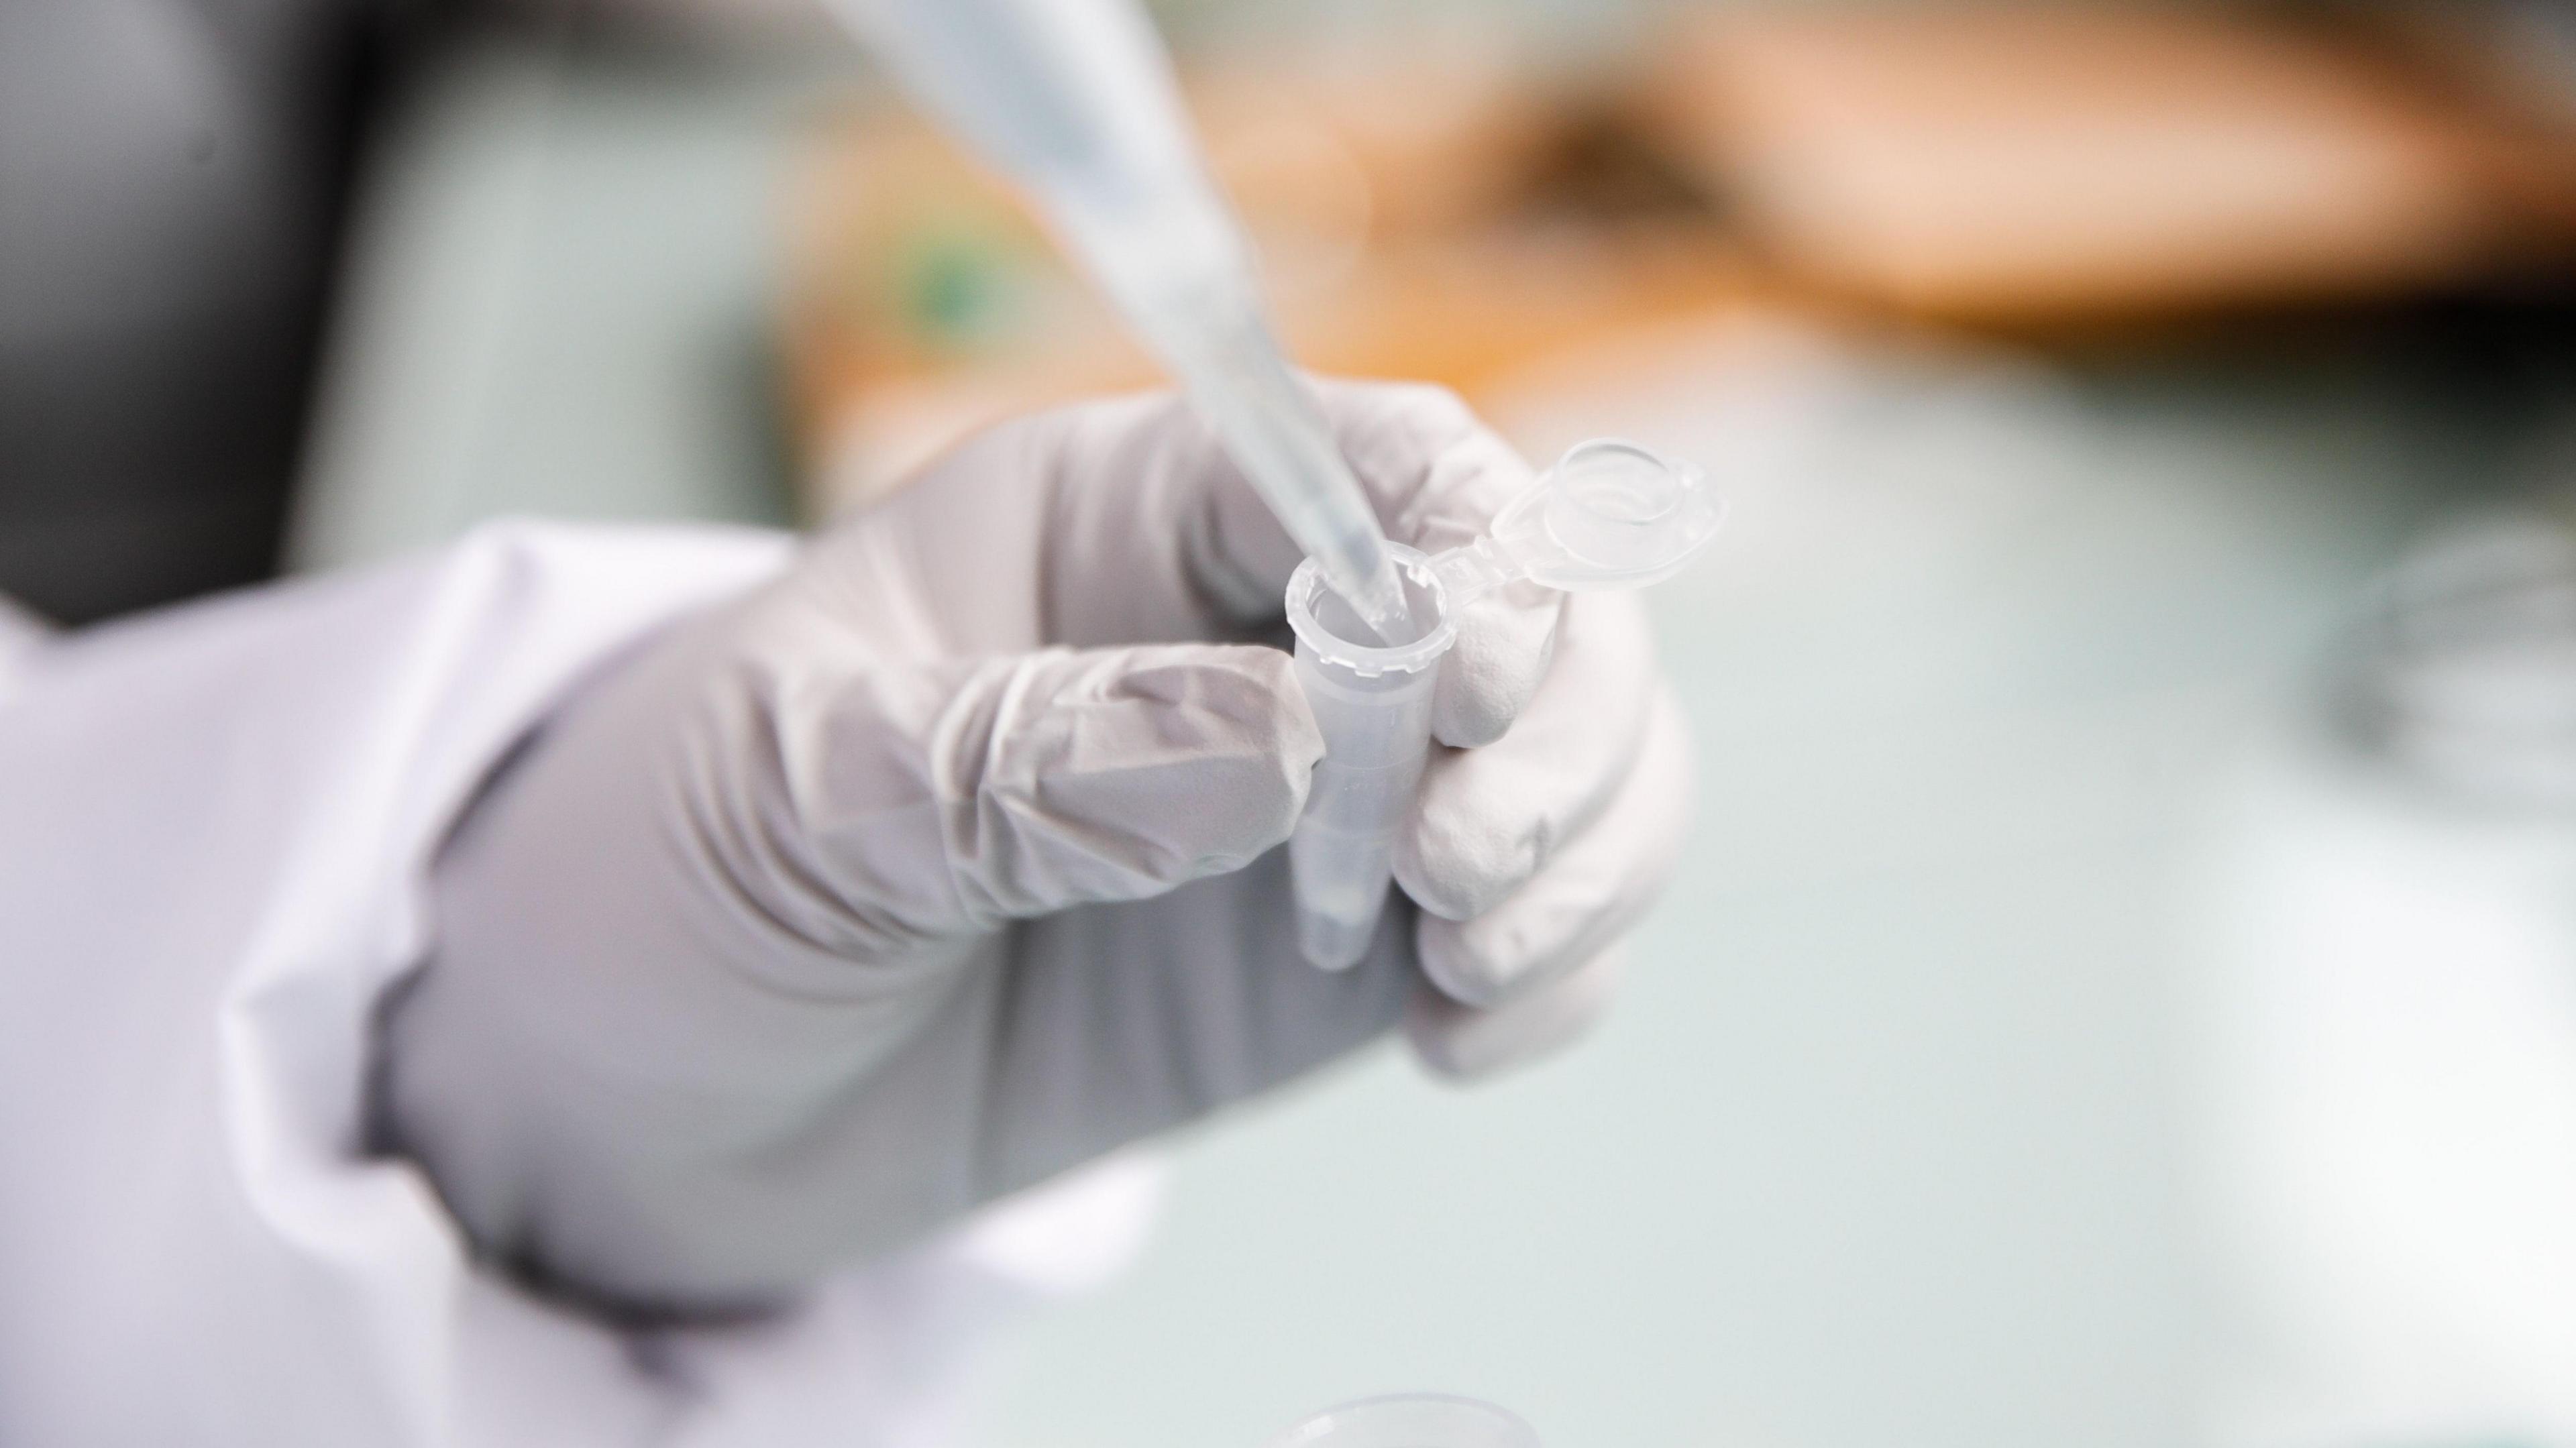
{"x": 1380, "y": 603}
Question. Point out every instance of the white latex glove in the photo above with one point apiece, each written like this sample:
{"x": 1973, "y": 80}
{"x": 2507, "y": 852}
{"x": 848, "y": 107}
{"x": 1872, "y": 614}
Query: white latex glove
{"x": 946, "y": 862}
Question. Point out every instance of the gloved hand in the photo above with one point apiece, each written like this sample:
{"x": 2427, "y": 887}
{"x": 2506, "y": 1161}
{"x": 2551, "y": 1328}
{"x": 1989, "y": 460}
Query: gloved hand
{"x": 945, "y": 862}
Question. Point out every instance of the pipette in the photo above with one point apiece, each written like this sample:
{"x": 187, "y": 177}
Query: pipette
{"x": 1075, "y": 101}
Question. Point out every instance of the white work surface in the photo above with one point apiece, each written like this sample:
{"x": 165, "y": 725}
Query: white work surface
{"x": 1879, "y": 1146}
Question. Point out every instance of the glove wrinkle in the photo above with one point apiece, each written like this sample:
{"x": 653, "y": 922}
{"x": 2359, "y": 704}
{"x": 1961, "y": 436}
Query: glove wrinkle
{"x": 1042, "y": 781}
{"x": 1140, "y": 769}
{"x": 730, "y": 828}
{"x": 844, "y": 833}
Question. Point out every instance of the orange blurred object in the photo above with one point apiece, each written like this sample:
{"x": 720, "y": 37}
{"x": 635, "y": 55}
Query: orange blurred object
{"x": 1416, "y": 218}
{"x": 1442, "y": 212}
{"x": 2008, "y": 163}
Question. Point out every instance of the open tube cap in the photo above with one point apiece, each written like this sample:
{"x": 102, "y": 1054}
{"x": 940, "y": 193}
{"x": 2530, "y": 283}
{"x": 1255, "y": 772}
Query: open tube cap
{"x": 1411, "y": 1420}
{"x": 1610, "y": 514}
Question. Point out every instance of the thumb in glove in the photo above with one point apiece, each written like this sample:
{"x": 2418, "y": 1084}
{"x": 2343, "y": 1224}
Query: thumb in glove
{"x": 873, "y": 810}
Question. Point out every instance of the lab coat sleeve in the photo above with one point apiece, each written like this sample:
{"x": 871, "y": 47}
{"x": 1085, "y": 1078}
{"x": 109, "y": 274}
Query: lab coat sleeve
{"x": 216, "y": 825}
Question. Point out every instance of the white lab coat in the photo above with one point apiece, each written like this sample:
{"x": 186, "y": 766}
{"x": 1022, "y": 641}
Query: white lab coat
{"x": 215, "y": 825}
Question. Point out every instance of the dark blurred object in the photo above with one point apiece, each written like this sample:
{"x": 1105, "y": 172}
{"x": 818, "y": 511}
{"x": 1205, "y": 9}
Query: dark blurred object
{"x": 172, "y": 175}
{"x": 2015, "y": 164}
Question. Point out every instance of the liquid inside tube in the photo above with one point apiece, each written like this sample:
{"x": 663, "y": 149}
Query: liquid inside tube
{"x": 1378, "y": 602}
{"x": 1394, "y": 612}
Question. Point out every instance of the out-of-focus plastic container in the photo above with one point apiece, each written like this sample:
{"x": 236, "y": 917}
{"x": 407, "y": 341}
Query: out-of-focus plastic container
{"x": 1610, "y": 514}
{"x": 1410, "y": 1420}
{"x": 2383, "y": 1011}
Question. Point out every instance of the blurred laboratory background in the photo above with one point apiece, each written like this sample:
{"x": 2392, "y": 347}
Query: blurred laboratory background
{"x": 2123, "y": 987}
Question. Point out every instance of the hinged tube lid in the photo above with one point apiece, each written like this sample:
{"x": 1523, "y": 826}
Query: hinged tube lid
{"x": 1610, "y": 514}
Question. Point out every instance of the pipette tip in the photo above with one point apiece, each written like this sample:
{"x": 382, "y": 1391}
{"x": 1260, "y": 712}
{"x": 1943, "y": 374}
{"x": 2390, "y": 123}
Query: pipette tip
{"x": 1382, "y": 606}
